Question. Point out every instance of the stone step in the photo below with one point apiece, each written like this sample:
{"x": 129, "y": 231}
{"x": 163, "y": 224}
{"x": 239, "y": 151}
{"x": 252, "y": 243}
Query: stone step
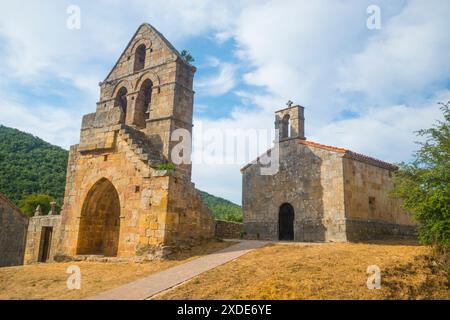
{"x": 138, "y": 143}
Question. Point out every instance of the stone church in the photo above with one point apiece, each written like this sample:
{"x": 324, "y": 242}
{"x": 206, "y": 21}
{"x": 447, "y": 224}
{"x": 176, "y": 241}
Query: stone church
{"x": 121, "y": 197}
{"x": 320, "y": 192}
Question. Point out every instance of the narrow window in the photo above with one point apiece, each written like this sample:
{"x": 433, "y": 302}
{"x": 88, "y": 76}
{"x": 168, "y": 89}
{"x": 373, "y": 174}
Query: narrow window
{"x": 143, "y": 103}
{"x": 372, "y": 204}
{"x": 121, "y": 99}
{"x": 286, "y": 127}
{"x": 139, "y": 58}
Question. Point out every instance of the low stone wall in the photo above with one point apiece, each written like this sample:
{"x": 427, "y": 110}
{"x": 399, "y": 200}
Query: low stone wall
{"x": 228, "y": 229}
{"x": 311, "y": 230}
{"x": 366, "y": 230}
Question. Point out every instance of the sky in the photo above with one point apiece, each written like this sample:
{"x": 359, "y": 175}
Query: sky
{"x": 368, "y": 78}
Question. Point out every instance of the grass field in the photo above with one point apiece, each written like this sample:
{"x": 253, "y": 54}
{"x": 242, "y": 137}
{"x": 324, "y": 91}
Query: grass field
{"x": 277, "y": 271}
{"x": 325, "y": 271}
{"x": 48, "y": 281}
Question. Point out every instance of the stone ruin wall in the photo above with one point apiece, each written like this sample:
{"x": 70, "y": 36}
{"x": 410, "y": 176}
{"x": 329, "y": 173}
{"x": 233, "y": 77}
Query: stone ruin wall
{"x": 229, "y": 229}
{"x": 34, "y": 239}
{"x": 13, "y": 232}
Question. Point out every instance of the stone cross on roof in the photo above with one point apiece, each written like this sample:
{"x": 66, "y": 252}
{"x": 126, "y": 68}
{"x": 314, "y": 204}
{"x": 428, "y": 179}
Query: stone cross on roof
{"x": 289, "y": 103}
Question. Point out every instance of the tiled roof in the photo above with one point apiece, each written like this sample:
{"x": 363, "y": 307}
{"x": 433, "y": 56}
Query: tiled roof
{"x": 352, "y": 155}
{"x": 322, "y": 146}
{"x": 347, "y": 154}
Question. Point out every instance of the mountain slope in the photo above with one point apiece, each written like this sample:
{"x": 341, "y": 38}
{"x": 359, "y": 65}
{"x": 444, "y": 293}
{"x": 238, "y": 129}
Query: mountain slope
{"x": 222, "y": 208}
{"x": 30, "y": 165}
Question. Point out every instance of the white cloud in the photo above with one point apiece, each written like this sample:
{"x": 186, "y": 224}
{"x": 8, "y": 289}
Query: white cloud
{"x": 386, "y": 133}
{"x": 317, "y": 53}
{"x": 406, "y": 57}
{"x": 321, "y": 55}
{"x": 54, "y": 125}
{"x": 295, "y": 47}
{"x": 222, "y": 37}
{"x": 221, "y": 82}
{"x": 224, "y": 179}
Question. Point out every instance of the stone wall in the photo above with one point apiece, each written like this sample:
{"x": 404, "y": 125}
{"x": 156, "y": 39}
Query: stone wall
{"x": 336, "y": 194}
{"x": 121, "y": 148}
{"x": 311, "y": 180}
{"x": 371, "y": 211}
{"x": 34, "y": 243}
{"x": 142, "y": 192}
{"x": 229, "y": 229}
{"x": 364, "y": 230}
{"x": 13, "y": 231}
{"x": 188, "y": 219}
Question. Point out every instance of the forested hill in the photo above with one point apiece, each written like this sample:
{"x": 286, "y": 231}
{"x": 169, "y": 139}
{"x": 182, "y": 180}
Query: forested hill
{"x": 222, "y": 208}
{"x": 29, "y": 165}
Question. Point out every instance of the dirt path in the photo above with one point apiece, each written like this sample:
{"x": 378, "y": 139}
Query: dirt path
{"x": 149, "y": 286}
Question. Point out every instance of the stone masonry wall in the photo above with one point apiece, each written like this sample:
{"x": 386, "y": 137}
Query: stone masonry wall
{"x": 229, "y": 229}
{"x": 121, "y": 147}
{"x": 188, "y": 218}
{"x": 13, "y": 231}
{"x": 371, "y": 212}
{"x": 311, "y": 180}
{"x": 34, "y": 237}
{"x": 142, "y": 195}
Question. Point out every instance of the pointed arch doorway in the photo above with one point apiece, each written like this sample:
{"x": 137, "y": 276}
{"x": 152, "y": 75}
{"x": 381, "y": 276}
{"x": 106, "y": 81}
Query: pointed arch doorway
{"x": 100, "y": 221}
{"x": 286, "y": 222}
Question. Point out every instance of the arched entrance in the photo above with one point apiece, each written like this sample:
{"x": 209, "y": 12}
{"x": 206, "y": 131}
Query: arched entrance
{"x": 100, "y": 221}
{"x": 286, "y": 222}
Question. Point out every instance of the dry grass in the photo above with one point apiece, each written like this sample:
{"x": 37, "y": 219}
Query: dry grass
{"x": 327, "y": 271}
{"x": 48, "y": 281}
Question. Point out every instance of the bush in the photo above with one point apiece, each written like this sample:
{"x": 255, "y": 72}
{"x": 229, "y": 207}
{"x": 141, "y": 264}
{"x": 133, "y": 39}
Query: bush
{"x": 424, "y": 184}
{"x": 30, "y": 203}
{"x": 167, "y": 166}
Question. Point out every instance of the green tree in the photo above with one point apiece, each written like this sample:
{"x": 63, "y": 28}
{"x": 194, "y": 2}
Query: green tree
{"x": 29, "y": 204}
{"x": 424, "y": 184}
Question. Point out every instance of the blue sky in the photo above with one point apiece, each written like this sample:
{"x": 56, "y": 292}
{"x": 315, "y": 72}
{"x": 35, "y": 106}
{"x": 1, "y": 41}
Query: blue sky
{"x": 366, "y": 90}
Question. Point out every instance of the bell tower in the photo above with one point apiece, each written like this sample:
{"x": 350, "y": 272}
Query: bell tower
{"x": 151, "y": 87}
{"x": 120, "y": 200}
{"x": 290, "y": 122}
